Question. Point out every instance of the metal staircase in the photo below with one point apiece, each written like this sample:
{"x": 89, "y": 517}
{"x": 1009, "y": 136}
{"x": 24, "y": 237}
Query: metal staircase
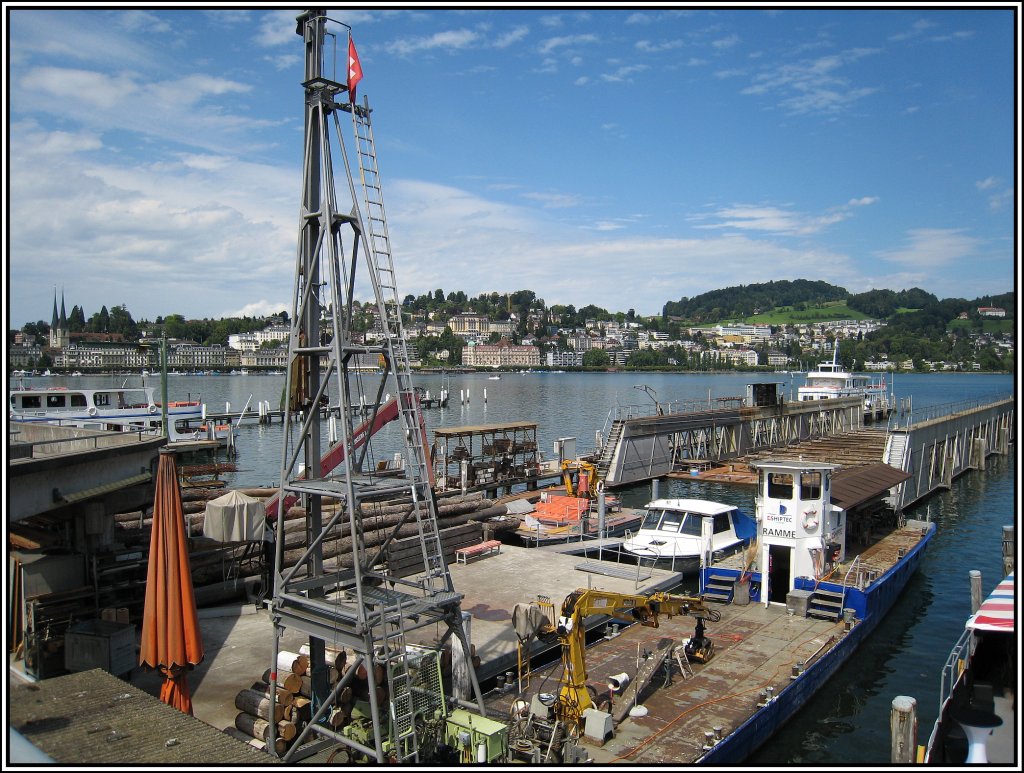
{"x": 604, "y": 463}
{"x": 351, "y": 600}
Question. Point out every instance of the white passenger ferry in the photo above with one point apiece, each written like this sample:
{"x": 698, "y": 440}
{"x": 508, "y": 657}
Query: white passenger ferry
{"x": 128, "y": 409}
{"x": 830, "y": 381}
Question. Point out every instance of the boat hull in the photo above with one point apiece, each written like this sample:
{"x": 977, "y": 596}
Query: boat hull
{"x": 871, "y": 606}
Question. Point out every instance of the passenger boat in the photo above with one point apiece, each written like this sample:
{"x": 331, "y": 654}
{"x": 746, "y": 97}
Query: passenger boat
{"x": 127, "y": 409}
{"x": 823, "y": 571}
{"x": 977, "y": 714}
{"x": 831, "y": 381}
{"x": 671, "y": 535}
{"x": 821, "y": 561}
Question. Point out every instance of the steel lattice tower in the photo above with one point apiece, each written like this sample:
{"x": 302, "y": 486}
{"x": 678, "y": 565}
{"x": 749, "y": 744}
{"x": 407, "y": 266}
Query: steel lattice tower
{"x": 357, "y": 603}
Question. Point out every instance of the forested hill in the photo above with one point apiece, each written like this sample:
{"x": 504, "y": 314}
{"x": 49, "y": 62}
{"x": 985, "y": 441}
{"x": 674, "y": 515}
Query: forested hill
{"x": 741, "y": 301}
{"x": 746, "y": 300}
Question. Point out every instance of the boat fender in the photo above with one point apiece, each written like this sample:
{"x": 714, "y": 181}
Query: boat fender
{"x": 810, "y": 519}
{"x": 152, "y": 409}
{"x": 92, "y": 410}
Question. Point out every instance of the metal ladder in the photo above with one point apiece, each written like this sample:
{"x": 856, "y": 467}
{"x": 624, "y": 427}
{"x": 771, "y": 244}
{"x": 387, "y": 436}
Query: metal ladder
{"x": 403, "y": 715}
{"x": 377, "y": 245}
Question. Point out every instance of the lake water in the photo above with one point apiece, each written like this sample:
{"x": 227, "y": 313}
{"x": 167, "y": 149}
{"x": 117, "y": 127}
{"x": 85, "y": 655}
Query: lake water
{"x": 847, "y": 722}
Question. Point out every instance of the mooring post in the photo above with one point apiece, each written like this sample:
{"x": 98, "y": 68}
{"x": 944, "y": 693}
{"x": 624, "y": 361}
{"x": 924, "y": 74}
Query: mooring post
{"x": 975, "y": 590}
{"x": 1008, "y": 561}
{"x": 903, "y": 730}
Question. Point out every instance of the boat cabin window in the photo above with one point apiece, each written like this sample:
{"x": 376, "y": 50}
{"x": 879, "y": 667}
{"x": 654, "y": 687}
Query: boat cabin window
{"x": 31, "y": 401}
{"x": 78, "y": 401}
{"x": 102, "y": 398}
{"x": 780, "y": 485}
{"x": 672, "y": 522}
{"x": 810, "y": 485}
{"x": 691, "y": 526}
{"x": 721, "y": 523}
{"x": 56, "y": 401}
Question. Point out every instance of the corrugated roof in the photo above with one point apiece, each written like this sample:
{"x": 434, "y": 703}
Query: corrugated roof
{"x": 94, "y": 718}
{"x": 854, "y": 486}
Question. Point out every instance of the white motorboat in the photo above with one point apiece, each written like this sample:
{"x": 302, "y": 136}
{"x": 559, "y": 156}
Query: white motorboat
{"x": 671, "y": 533}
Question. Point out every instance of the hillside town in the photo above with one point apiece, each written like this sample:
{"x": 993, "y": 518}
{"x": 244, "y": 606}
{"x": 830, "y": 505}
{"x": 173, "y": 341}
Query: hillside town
{"x": 477, "y": 341}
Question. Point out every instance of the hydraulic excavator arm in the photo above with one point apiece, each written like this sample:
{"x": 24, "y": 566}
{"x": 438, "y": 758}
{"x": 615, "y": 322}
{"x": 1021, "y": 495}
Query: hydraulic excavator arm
{"x": 574, "y": 698}
{"x": 579, "y": 478}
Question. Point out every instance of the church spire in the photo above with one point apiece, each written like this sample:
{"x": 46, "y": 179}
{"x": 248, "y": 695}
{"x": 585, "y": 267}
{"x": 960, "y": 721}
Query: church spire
{"x": 53, "y": 322}
{"x": 63, "y": 316}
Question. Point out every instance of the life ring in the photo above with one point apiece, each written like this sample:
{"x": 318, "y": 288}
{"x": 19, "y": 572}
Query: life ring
{"x": 92, "y": 410}
{"x": 810, "y": 520}
{"x": 152, "y": 409}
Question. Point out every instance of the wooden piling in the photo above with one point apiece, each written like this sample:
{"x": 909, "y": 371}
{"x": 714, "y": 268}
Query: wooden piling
{"x": 903, "y": 730}
{"x": 975, "y": 590}
{"x": 1008, "y": 557}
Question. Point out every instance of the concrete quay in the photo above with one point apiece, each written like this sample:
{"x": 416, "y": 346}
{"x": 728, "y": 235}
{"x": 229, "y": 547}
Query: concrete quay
{"x": 238, "y": 639}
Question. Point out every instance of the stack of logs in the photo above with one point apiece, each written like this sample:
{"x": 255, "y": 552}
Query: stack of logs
{"x": 294, "y": 692}
{"x": 208, "y": 558}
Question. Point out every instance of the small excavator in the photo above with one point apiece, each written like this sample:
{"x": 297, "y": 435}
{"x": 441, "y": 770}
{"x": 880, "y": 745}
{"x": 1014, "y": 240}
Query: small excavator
{"x": 574, "y": 698}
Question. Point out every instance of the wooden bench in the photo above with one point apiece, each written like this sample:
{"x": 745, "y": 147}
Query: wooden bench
{"x": 489, "y": 548}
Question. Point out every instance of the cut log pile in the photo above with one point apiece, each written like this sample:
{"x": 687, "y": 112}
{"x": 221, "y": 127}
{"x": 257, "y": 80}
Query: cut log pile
{"x": 294, "y": 691}
{"x": 460, "y": 523}
{"x": 293, "y": 705}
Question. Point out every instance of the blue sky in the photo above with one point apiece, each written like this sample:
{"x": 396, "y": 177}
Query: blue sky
{"x": 617, "y": 157}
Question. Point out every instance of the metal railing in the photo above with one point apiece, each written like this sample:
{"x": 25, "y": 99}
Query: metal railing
{"x": 954, "y": 667}
{"x": 906, "y": 416}
{"x": 38, "y": 449}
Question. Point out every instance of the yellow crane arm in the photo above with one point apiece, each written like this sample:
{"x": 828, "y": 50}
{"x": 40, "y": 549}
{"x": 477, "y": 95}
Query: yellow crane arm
{"x": 574, "y": 698}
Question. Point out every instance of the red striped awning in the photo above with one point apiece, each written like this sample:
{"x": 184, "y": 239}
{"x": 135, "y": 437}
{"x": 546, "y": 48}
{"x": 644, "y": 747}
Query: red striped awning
{"x": 997, "y": 611}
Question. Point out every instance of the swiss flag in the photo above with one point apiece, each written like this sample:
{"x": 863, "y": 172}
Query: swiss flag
{"x": 355, "y": 70}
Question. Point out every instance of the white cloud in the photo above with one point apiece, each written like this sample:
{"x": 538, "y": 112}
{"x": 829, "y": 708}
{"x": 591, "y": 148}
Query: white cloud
{"x": 448, "y": 40}
{"x": 653, "y": 48}
{"x": 726, "y": 42}
{"x": 142, "y": 21}
{"x": 551, "y": 44}
{"x": 770, "y": 219}
{"x": 91, "y": 89}
{"x": 260, "y": 308}
{"x": 933, "y": 248}
{"x": 987, "y": 183}
{"x": 512, "y": 36}
{"x": 622, "y": 75}
{"x": 863, "y": 201}
{"x": 813, "y": 86}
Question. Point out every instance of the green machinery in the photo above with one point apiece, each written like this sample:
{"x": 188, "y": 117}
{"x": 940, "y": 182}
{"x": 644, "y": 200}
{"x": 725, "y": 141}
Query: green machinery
{"x": 419, "y": 708}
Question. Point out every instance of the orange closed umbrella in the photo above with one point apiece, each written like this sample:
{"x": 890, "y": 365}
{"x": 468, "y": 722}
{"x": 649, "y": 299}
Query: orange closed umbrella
{"x": 171, "y": 641}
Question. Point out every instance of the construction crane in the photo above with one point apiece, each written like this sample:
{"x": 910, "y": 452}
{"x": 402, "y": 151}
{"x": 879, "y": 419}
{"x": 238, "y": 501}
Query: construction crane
{"x": 573, "y": 697}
